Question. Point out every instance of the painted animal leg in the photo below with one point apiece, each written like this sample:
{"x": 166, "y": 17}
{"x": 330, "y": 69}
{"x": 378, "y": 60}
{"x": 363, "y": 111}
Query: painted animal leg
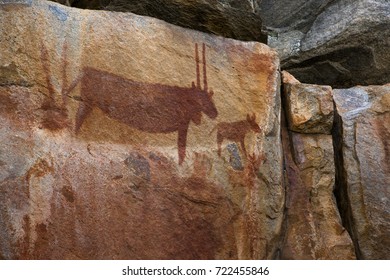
{"x": 182, "y": 141}
{"x": 242, "y": 142}
{"x": 82, "y": 113}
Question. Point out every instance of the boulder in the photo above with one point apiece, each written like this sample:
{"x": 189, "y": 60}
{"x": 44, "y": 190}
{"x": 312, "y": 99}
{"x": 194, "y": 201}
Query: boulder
{"x": 339, "y": 43}
{"x": 228, "y": 18}
{"x": 125, "y": 137}
{"x": 362, "y": 153}
{"x": 309, "y": 108}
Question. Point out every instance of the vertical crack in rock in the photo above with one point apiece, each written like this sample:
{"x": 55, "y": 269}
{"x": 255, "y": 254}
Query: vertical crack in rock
{"x": 312, "y": 226}
{"x": 341, "y": 189}
{"x": 360, "y": 141}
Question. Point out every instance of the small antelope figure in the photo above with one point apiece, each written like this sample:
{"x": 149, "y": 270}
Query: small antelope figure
{"x": 149, "y": 107}
{"x": 236, "y": 131}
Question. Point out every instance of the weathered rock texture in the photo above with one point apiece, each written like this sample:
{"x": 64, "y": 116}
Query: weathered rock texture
{"x": 309, "y": 108}
{"x": 229, "y": 18}
{"x": 313, "y": 224}
{"x": 362, "y": 147}
{"x": 114, "y": 145}
{"x": 340, "y": 43}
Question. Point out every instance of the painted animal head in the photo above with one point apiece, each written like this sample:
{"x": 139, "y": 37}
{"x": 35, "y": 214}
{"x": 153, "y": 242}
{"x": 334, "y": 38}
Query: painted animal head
{"x": 252, "y": 123}
{"x": 203, "y": 97}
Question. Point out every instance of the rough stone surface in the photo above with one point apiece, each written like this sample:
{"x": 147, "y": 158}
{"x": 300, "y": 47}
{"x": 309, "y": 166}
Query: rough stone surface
{"x": 363, "y": 154}
{"x": 287, "y": 78}
{"x": 313, "y": 224}
{"x": 309, "y": 108}
{"x": 113, "y": 147}
{"x": 291, "y": 15}
{"x": 340, "y": 43}
{"x": 228, "y": 18}
{"x": 18, "y": 2}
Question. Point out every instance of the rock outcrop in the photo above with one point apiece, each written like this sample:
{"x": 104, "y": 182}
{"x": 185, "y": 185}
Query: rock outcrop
{"x": 362, "y": 147}
{"x": 227, "y": 18}
{"x": 339, "y": 43}
{"x": 125, "y": 137}
{"x": 313, "y": 225}
{"x": 309, "y": 108}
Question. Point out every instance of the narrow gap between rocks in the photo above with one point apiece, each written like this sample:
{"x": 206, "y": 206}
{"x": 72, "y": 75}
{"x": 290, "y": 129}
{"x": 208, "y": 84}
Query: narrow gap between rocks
{"x": 341, "y": 191}
{"x": 286, "y": 154}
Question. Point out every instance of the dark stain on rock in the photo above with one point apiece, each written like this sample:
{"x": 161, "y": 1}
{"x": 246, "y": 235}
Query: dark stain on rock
{"x": 117, "y": 177}
{"x": 235, "y": 159}
{"x": 68, "y": 193}
{"x": 10, "y": 76}
{"x": 138, "y": 165}
{"x": 59, "y": 13}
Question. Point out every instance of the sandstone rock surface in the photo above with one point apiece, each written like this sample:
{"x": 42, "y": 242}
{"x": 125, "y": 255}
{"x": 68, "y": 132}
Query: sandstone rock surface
{"x": 340, "y": 43}
{"x": 313, "y": 226}
{"x": 119, "y": 139}
{"x": 362, "y": 152}
{"x": 228, "y": 18}
{"x": 309, "y": 108}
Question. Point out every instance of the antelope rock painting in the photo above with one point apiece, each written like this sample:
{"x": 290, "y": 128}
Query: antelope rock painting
{"x": 236, "y": 131}
{"x": 149, "y": 107}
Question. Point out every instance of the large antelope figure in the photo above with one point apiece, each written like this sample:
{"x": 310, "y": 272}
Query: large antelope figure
{"x": 236, "y": 131}
{"x": 150, "y": 107}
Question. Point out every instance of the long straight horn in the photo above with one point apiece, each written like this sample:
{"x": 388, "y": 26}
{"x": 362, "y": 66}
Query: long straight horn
{"x": 197, "y": 66}
{"x": 45, "y": 60}
{"x": 204, "y": 68}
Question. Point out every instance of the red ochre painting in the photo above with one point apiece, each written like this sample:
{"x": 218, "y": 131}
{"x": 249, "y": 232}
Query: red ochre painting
{"x": 148, "y": 107}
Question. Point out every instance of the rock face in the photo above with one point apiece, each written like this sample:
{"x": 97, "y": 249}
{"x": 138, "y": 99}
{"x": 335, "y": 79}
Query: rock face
{"x": 362, "y": 147}
{"x": 124, "y": 137}
{"x": 313, "y": 224}
{"x": 228, "y": 18}
{"x": 340, "y": 43}
{"x": 309, "y": 108}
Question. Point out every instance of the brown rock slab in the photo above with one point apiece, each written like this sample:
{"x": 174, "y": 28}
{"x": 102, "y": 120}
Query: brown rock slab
{"x": 309, "y": 108}
{"x": 123, "y": 143}
{"x": 287, "y": 78}
{"x": 313, "y": 224}
{"x": 362, "y": 152}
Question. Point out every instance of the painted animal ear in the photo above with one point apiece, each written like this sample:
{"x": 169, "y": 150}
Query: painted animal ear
{"x": 193, "y": 85}
{"x": 248, "y": 117}
{"x": 211, "y": 92}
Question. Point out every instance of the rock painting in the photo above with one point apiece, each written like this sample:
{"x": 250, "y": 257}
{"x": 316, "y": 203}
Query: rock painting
{"x": 56, "y": 115}
{"x": 236, "y": 131}
{"x": 149, "y": 107}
